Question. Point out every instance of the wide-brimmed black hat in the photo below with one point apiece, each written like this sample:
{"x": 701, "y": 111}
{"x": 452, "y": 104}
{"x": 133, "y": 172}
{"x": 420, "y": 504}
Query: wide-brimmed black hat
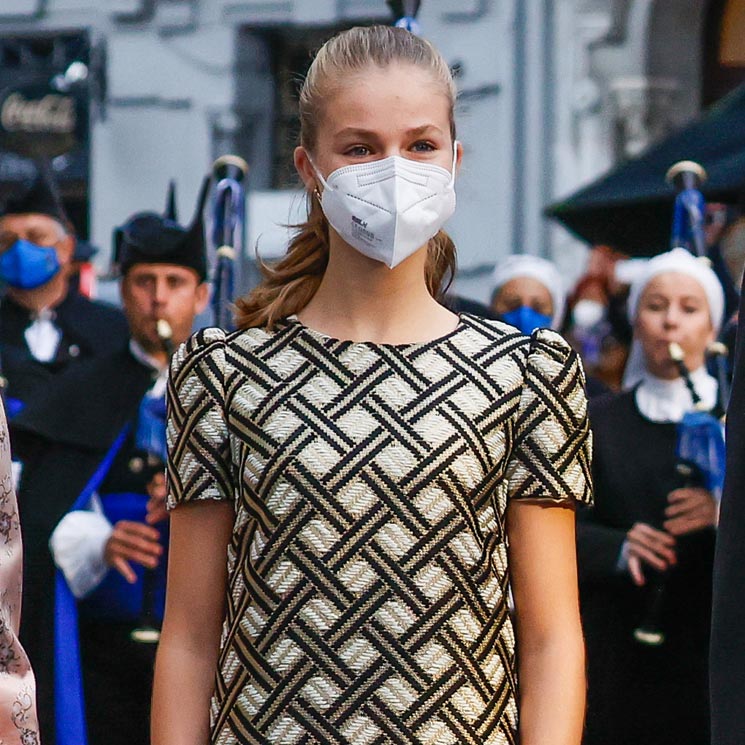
{"x": 41, "y": 198}
{"x": 150, "y": 238}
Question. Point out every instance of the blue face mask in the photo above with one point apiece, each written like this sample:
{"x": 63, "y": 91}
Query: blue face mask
{"x": 26, "y": 266}
{"x": 526, "y": 319}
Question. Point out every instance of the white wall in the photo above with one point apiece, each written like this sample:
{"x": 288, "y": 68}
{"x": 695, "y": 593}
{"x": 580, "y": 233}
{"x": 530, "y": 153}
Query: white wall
{"x": 535, "y": 120}
{"x": 161, "y": 93}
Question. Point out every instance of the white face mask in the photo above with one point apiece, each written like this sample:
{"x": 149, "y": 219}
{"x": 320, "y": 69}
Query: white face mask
{"x": 388, "y": 209}
{"x": 588, "y": 313}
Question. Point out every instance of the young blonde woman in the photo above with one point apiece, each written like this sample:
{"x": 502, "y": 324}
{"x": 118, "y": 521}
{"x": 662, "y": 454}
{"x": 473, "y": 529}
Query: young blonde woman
{"x": 347, "y": 468}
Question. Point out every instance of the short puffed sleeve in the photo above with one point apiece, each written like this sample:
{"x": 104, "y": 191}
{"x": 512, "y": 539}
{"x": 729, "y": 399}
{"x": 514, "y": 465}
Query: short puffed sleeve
{"x": 552, "y": 448}
{"x": 199, "y": 463}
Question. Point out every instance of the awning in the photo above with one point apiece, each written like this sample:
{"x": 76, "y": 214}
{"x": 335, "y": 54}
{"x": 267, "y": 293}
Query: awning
{"x": 631, "y": 207}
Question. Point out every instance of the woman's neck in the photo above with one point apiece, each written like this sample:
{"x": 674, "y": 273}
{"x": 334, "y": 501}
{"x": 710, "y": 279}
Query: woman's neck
{"x": 361, "y": 299}
{"x": 667, "y": 379}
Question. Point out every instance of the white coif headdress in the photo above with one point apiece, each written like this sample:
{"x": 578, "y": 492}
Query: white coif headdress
{"x": 679, "y": 261}
{"x": 542, "y": 270}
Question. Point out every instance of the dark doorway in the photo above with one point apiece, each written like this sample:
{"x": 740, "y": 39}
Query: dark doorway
{"x": 724, "y": 49}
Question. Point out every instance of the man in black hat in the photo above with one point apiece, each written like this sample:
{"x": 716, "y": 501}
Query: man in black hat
{"x": 91, "y": 497}
{"x": 45, "y": 324}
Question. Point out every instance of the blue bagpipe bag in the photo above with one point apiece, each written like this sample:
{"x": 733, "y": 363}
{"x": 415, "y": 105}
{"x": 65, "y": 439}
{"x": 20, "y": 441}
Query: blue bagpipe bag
{"x": 701, "y": 445}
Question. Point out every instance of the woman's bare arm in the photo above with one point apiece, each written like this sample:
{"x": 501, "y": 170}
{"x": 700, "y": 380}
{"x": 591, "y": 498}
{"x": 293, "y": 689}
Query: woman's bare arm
{"x": 550, "y": 647}
{"x": 187, "y": 655}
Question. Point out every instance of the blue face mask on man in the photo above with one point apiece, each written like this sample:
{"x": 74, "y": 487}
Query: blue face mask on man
{"x": 26, "y": 266}
{"x": 526, "y": 319}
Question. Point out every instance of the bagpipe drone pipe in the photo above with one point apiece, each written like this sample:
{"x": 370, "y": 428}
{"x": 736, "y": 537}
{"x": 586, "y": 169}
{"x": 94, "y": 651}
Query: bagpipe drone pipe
{"x": 404, "y": 14}
{"x": 228, "y": 228}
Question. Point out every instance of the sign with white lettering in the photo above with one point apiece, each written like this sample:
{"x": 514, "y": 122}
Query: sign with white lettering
{"x": 38, "y": 121}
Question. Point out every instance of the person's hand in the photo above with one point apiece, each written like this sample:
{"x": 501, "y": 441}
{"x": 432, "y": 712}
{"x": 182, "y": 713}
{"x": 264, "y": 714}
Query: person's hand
{"x": 132, "y": 542}
{"x": 647, "y": 545}
{"x": 689, "y": 510}
{"x": 156, "y": 506}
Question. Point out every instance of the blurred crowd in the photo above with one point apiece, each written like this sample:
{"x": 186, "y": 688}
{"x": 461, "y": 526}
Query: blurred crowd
{"x": 657, "y": 340}
{"x": 530, "y": 292}
{"x": 84, "y": 386}
{"x": 84, "y": 390}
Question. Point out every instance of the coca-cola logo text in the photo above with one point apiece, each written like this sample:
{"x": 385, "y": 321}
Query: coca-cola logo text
{"x": 52, "y": 113}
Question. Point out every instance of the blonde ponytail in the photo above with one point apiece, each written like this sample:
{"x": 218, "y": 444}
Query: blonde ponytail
{"x": 289, "y": 284}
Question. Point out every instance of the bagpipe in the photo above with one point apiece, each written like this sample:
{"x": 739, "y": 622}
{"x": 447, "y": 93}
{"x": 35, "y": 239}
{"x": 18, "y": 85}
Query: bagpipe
{"x": 228, "y": 230}
{"x": 699, "y": 462}
{"x": 700, "y": 447}
{"x": 147, "y": 597}
{"x": 143, "y": 602}
{"x": 689, "y": 210}
{"x": 115, "y": 598}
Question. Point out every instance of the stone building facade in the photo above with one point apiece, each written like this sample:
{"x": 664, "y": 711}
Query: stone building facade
{"x": 553, "y": 93}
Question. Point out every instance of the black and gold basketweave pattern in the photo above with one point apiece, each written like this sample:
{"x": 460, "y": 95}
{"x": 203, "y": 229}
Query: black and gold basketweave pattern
{"x": 367, "y": 598}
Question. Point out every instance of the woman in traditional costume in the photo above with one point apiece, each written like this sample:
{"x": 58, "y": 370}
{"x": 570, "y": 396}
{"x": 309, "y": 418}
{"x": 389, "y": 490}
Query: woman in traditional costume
{"x": 646, "y": 547}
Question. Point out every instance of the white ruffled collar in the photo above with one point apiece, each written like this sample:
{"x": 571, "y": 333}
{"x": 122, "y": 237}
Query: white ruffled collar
{"x": 668, "y": 400}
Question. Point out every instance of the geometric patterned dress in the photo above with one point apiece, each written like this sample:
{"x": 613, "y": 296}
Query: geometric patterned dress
{"x": 368, "y": 583}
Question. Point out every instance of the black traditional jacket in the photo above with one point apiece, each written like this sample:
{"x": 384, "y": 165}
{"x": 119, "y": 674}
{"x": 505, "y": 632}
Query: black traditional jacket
{"x": 640, "y": 694}
{"x": 89, "y": 329}
{"x": 61, "y": 438}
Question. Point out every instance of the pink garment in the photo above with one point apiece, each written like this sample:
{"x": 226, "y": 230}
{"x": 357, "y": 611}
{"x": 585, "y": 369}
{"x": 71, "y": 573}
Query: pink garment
{"x": 18, "y": 724}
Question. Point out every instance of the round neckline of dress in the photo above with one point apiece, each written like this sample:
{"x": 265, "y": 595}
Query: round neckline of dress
{"x": 320, "y": 335}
